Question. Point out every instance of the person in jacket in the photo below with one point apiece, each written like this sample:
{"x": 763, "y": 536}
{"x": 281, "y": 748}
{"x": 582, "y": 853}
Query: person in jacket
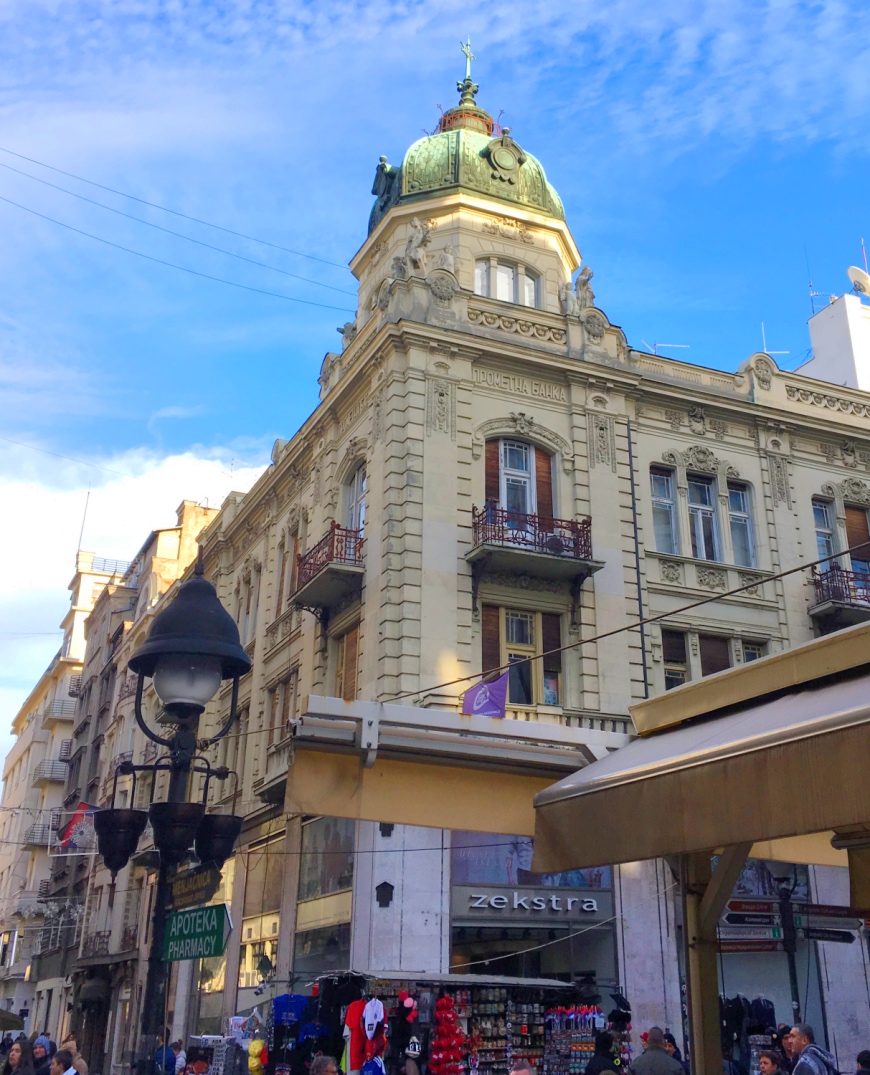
{"x": 20, "y": 1059}
{"x": 654, "y": 1060}
{"x": 79, "y": 1063}
{"x": 602, "y": 1059}
{"x": 768, "y": 1062}
{"x": 62, "y": 1063}
{"x": 41, "y": 1058}
{"x": 673, "y": 1051}
{"x": 812, "y": 1059}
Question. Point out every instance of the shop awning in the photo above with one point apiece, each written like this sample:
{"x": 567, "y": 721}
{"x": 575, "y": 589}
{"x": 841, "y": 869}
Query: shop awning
{"x": 790, "y": 765}
{"x": 10, "y": 1021}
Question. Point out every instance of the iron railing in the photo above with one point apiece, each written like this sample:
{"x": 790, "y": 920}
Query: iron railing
{"x": 59, "y": 709}
{"x": 50, "y": 771}
{"x": 566, "y": 538}
{"x": 130, "y": 939}
{"x": 97, "y": 944}
{"x": 338, "y": 546}
{"x": 108, "y": 781}
{"x": 837, "y": 584}
{"x": 39, "y": 834}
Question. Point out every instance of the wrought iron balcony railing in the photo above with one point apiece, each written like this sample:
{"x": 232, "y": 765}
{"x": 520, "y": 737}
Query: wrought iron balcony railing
{"x": 564, "y": 538}
{"x": 58, "y": 710}
{"x": 50, "y": 772}
{"x": 837, "y": 584}
{"x": 338, "y": 546}
{"x": 97, "y": 944}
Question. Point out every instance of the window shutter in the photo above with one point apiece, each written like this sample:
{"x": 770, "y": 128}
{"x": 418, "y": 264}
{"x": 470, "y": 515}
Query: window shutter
{"x": 674, "y": 647}
{"x": 351, "y": 664}
{"x": 544, "y": 481}
{"x": 492, "y": 484}
{"x": 279, "y": 604}
{"x": 551, "y": 639}
{"x": 857, "y": 532}
{"x": 715, "y": 654}
{"x": 489, "y": 638}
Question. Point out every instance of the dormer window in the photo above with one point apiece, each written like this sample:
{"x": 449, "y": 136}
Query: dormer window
{"x": 507, "y": 281}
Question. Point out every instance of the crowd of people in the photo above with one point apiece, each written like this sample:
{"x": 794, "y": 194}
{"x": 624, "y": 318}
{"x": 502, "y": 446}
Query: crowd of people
{"x": 39, "y": 1055}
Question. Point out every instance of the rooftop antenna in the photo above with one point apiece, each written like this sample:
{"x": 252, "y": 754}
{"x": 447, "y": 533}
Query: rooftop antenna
{"x": 764, "y": 344}
{"x": 654, "y": 347}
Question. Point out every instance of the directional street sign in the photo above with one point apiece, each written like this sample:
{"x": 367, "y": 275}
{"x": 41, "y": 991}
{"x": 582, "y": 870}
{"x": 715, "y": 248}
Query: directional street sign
{"x": 843, "y": 936}
{"x": 824, "y": 910}
{"x": 753, "y": 906}
{"x": 196, "y": 933}
{"x": 750, "y": 946}
{"x": 740, "y": 919}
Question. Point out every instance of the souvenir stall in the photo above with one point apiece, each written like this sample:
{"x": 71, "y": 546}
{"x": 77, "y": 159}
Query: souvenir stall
{"x": 442, "y": 1024}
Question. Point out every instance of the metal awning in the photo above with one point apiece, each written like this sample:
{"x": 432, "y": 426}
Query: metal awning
{"x": 784, "y": 767}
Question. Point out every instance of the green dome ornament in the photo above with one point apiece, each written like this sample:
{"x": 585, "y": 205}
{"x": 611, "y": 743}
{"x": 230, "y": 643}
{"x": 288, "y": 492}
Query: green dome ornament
{"x": 467, "y": 152}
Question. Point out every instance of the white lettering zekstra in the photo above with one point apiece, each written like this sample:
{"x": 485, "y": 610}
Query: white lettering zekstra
{"x": 525, "y": 901}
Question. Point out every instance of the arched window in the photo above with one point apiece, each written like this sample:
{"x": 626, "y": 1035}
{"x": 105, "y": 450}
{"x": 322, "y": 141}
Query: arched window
{"x": 519, "y": 478}
{"x": 507, "y": 281}
{"x": 355, "y": 493}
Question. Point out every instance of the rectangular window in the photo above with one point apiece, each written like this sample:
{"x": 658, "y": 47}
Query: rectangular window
{"x": 511, "y": 637}
{"x": 505, "y": 283}
{"x": 530, "y": 290}
{"x": 702, "y": 518}
{"x": 517, "y": 484}
{"x": 674, "y": 656}
{"x": 481, "y": 278}
{"x": 740, "y": 519}
{"x": 823, "y": 519}
{"x": 326, "y": 862}
{"x": 715, "y": 654}
{"x": 347, "y": 667}
{"x": 753, "y": 651}
{"x": 664, "y": 510}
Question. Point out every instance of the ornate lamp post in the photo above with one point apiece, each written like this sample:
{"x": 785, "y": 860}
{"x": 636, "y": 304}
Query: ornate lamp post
{"x": 192, "y": 647}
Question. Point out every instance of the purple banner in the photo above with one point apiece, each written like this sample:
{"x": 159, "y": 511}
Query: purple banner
{"x": 486, "y": 699}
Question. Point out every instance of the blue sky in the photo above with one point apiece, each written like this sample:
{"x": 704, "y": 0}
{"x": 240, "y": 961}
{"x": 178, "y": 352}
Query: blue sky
{"x": 704, "y": 153}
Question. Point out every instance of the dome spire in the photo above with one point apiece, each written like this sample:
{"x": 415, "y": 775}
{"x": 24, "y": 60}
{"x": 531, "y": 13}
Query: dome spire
{"x": 467, "y": 114}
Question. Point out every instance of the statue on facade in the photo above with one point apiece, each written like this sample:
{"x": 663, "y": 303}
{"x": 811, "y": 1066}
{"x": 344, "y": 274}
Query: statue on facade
{"x": 447, "y": 259}
{"x": 415, "y": 255}
{"x": 348, "y": 332}
{"x": 566, "y": 298}
{"x": 584, "y": 295}
{"x": 385, "y": 179}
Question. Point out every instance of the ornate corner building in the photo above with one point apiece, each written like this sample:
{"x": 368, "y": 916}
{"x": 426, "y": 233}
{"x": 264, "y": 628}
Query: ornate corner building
{"x": 493, "y": 472}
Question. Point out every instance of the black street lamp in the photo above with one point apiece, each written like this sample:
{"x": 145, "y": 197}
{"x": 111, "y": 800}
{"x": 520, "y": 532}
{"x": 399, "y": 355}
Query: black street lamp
{"x": 192, "y": 647}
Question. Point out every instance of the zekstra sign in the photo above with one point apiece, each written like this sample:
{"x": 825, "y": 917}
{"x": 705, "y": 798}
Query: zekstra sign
{"x": 502, "y": 903}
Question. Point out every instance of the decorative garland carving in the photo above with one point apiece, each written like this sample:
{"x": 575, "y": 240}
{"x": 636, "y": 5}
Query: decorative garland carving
{"x": 523, "y": 582}
{"x": 528, "y": 329}
{"x": 602, "y": 443}
{"x": 831, "y": 403}
{"x": 702, "y": 460}
{"x": 520, "y": 424}
{"x": 441, "y": 408}
{"x": 712, "y": 578}
{"x": 671, "y": 571}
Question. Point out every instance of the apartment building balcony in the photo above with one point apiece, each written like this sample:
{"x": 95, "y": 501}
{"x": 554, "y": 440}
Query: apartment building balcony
{"x": 332, "y": 570}
{"x": 130, "y": 939}
{"x": 58, "y": 712}
{"x": 97, "y": 943}
{"x": 109, "y": 781}
{"x": 841, "y": 598}
{"x": 40, "y": 833}
{"x": 49, "y": 772}
{"x": 273, "y": 782}
{"x": 535, "y": 545}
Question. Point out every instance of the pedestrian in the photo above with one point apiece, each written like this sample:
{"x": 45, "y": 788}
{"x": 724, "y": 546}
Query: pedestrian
{"x": 180, "y": 1057}
{"x": 786, "y": 1047}
{"x": 20, "y": 1059}
{"x": 812, "y": 1059}
{"x": 70, "y": 1044}
{"x": 52, "y": 1045}
{"x": 673, "y": 1051}
{"x": 602, "y": 1059}
{"x": 41, "y": 1059}
{"x": 654, "y": 1060}
{"x": 62, "y": 1063}
{"x": 863, "y": 1060}
{"x": 164, "y": 1058}
{"x": 521, "y": 1066}
{"x": 769, "y": 1061}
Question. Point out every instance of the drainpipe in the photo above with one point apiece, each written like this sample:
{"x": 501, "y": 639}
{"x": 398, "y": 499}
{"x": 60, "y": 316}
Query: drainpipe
{"x": 637, "y": 559}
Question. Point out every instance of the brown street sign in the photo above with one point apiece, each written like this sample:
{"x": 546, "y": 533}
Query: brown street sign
{"x": 195, "y": 887}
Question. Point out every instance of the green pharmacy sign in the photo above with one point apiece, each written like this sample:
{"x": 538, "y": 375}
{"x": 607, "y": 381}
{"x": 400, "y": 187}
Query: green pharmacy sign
{"x": 196, "y": 933}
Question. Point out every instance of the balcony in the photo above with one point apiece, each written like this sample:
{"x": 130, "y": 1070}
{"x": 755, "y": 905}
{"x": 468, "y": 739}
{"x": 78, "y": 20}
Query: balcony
{"x": 49, "y": 772}
{"x": 130, "y": 939}
{"x": 58, "y": 711}
{"x": 841, "y": 598}
{"x": 531, "y": 545}
{"x": 96, "y": 944}
{"x": 332, "y": 570}
{"x": 40, "y": 833}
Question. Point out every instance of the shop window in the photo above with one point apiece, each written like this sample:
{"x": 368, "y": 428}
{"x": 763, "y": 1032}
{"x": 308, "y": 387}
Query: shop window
{"x": 740, "y": 520}
{"x": 318, "y": 951}
{"x": 355, "y": 500}
{"x": 858, "y": 538}
{"x": 326, "y": 861}
{"x": 519, "y": 479}
{"x": 507, "y": 281}
{"x": 715, "y": 654}
{"x": 347, "y": 664}
{"x": 753, "y": 651}
{"x": 264, "y": 881}
{"x": 664, "y": 510}
{"x": 702, "y": 517}
{"x": 824, "y": 523}
{"x": 674, "y": 657}
{"x": 510, "y": 637}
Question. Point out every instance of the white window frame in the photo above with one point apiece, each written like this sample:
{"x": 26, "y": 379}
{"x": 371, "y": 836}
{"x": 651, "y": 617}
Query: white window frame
{"x": 486, "y": 271}
{"x": 668, "y": 504}
{"x": 697, "y": 514}
{"x": 356, "y": 488}
{"x": 742, "y": 517}
{"x": 827, "y": 531}
{"x": 526, "y": 477}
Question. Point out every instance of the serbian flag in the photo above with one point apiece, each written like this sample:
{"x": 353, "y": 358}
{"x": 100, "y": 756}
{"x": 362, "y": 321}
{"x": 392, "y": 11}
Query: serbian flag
{"x": 487, "y": 699}
{"x": 80, "y": 835}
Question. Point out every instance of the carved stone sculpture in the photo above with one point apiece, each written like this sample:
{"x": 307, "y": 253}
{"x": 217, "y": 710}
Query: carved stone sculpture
{"x": 348, "y": 333}
{"x": 415, "y": 255}
{"x": 584, "y": 295}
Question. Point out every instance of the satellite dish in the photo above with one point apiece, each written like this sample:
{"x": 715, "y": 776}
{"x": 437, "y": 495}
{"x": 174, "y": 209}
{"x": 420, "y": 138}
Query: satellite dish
{"x": 860, "y": 280}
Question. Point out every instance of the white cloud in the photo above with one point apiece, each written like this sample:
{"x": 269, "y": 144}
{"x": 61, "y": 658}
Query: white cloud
{"x": 44, "y": 502}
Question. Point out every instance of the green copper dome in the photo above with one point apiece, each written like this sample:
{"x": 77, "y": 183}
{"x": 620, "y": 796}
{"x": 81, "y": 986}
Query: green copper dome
{"x": 466, "y": 153}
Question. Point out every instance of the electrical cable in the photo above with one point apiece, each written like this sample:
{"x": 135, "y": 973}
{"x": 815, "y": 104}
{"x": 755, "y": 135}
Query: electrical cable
{"x": 173, "y": 212}
{"x": 177, "y": 234}
{"x": 69, "y": 458}
{"x": 171, "y": 264}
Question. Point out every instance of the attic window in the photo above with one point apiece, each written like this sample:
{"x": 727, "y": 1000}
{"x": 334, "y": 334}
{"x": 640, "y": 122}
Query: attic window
{"x": 507, "y": 281}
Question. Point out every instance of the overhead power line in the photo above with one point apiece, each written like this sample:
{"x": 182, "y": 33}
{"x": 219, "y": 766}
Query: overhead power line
{"x": 57, "y": 455}
{"x": 173, "y": 212}
{"x": 177, "y": 234}
{"x": 172, "y": 264}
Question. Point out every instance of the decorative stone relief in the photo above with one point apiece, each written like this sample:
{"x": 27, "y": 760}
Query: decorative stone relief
{"x": 419, "y": 238}
{"x": 829, "y": 452}
{"x": 675, "y": 418}
{"x": 522, "y": 327}
{"x": 317, "y": 483}
{"x": 444, "y": 288}
{"x": 853, "y": 490}
{"x": 670, "y": 571}
{"x": 697, "y": 421}
{"x": 779, "y": 482}
{"x": 712, "y": 578}
{"x": 763, "y": 373}
{"x": 522, "y": 424}
{"x": 441, "y": 408}
{"x": 751, "y": 581}
{"x": 831, "y": 403}
{"x": 602, "y": 448}
{"x": 378, "y": 417}
{"x": 700, "y": 459}
{"x": 523, "y": 582}
{"x": 850, "y": 453}
{"x": 356, "y": 447}
{"x": 348, "y": 333}
{"x": 718, "y": 428}
{"x": 596, "y": 326}
{"x": 509, "y": 229}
